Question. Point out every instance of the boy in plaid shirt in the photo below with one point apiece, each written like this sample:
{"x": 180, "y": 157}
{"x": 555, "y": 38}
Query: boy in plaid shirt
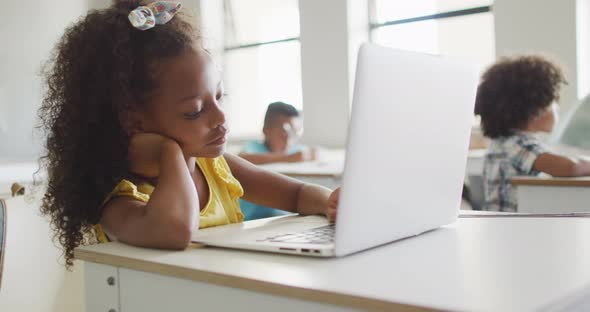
{"x": 516, "y": 98}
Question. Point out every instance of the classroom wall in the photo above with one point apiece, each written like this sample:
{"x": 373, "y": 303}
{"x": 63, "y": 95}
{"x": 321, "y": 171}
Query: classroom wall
{"x": 97, "y": 4}
{"x": 29, "y": 31}
{"x": 526, "y": 26}
{"x": 211, "y": 25}
{"x": 358, "y": 33}
{"x": 324, "y": 71}
{"x": 452, "y": 38}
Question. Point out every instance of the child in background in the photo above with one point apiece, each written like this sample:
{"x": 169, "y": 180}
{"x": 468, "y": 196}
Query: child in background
{"x": 282, "y": 129}
{"x": 517, "y": 97}
{"x": 136, "y": 136}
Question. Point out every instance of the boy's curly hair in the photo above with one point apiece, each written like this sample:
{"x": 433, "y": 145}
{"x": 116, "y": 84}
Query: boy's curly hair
{"x": 514, "y": 90}
{"x": 100, "y": 69}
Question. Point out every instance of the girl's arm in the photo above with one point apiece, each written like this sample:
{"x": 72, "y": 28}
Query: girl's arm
{"x": 171, "y": 214}
{"x": 561, "y": 166}
{"x": 271, "y": 189}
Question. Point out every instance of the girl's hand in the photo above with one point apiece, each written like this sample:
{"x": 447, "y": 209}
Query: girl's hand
{"x": 310, "y": 154}
{"x": 145, "y": 150}
{"x": 333, "y": 205}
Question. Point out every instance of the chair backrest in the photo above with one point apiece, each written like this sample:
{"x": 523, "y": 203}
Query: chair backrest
{"x": 572, "y": 129}
{"x": 2, "y": 236}
{"x": 34, "y": 277}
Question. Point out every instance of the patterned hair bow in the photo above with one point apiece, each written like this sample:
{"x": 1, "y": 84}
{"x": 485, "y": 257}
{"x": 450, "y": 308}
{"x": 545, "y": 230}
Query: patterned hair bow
{"x": 158, "y": 12}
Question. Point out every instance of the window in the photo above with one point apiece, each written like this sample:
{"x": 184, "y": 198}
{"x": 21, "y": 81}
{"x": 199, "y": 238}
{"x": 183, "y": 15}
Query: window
{"x": 262, "y": 62}
{"x": 463, "y": 28}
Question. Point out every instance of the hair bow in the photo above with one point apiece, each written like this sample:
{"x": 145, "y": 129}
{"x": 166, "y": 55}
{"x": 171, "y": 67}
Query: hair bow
{"x": 159, "y": 12}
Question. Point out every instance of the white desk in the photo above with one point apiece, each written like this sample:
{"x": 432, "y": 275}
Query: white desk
{"x": 539, "y": 199}
{"x": 326, "y": 171}
{"x": 477, "y": 264}
{"x": 552, "y": 195}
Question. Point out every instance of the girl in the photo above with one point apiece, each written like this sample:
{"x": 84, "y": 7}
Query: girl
{"x": 136, "y": 136}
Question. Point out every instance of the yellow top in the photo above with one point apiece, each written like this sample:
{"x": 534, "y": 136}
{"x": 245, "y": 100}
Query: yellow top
{"x": 224, "y": 191}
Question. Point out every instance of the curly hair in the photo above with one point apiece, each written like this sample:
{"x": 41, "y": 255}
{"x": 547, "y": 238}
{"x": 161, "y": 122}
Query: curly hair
{"x": 101, "y": 68}
{"x": 514, "y": 90}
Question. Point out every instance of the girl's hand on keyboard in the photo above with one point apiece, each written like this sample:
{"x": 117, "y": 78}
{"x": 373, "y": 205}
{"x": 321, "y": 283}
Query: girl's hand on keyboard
{"x": 333, "y": 205}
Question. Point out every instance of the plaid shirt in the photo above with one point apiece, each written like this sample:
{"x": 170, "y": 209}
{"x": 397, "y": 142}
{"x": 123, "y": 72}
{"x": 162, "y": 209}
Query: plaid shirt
{"x": 508, "y": 157}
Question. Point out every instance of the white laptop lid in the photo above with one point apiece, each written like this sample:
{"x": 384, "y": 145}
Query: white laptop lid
{"x": 407, "y": 146}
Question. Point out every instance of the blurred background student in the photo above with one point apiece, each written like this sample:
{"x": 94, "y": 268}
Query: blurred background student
{"x": 282, "y": 130}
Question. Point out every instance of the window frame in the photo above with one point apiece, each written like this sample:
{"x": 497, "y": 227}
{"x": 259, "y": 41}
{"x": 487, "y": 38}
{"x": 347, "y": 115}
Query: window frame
{"x": 442, "y": 15}
{"x": 244, "y": 137}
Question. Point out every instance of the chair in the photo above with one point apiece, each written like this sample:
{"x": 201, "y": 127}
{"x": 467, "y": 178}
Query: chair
{"x": 34, "y": 277}
{"x": 572, "y": 130}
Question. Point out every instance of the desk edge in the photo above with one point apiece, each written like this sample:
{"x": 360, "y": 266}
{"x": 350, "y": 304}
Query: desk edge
{"x": 534, "y": 181}
{"x": 319, "y": 296}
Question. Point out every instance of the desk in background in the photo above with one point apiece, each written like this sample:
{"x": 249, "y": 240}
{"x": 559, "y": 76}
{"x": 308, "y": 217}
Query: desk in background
{"x": 476, "y": 264}
{"x": 20, "y": 171}
{"x": 534, "y": 198}
{"x": 326, "y": 171}
{"x": 552, "y": 195}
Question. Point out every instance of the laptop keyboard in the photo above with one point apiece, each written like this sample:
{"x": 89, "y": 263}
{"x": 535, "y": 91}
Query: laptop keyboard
{"x": 319, "y": 235}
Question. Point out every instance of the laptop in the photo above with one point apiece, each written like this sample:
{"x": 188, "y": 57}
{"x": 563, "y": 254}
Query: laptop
{"x": 405, "y": 160}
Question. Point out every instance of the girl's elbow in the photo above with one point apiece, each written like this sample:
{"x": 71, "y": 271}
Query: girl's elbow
{"x": 181, "y": 240}
{"x": 181, "y": 235}
{"x": 180, "y": 243}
